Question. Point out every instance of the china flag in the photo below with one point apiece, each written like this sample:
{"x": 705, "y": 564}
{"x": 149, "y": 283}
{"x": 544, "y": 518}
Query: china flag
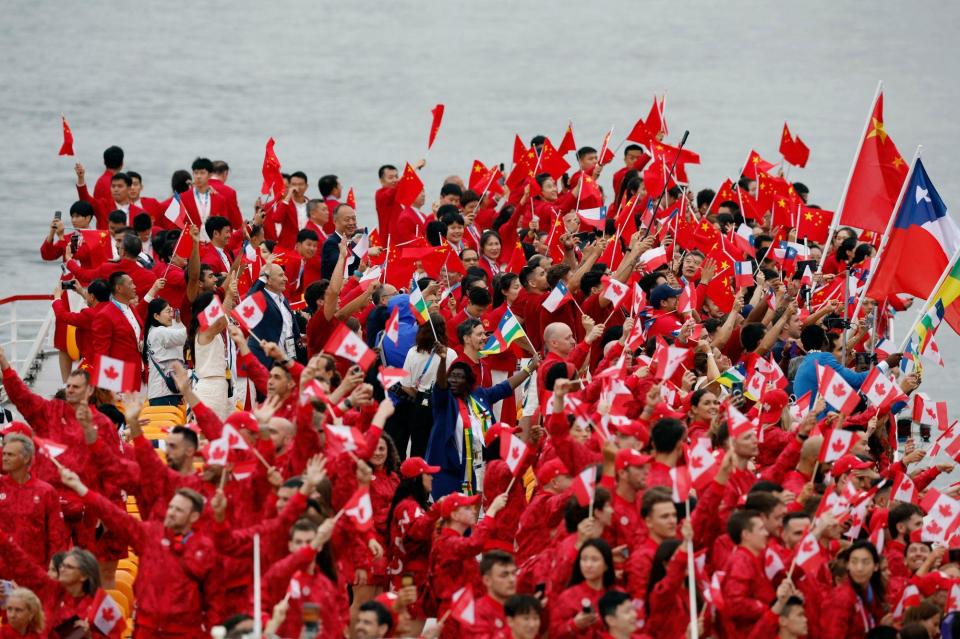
{"x": 67, "y": 147}
{"x": 814, "y": 224}
{"x": 409, "y": 187}
{"x": 877, "y": 176}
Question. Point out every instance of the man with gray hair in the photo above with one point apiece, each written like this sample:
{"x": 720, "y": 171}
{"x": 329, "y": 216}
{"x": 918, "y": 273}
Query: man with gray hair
{"x": 29, "y": 507}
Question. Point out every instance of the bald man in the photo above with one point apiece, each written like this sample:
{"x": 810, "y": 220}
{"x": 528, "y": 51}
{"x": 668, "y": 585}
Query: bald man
{"x": 561, "y": 346}
{"x": 345, "y": 225}
{"x": 278, "y": 324}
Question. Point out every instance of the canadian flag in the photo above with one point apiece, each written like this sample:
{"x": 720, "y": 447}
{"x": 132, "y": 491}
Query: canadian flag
{"x": 948, "y": 441}
{"x": 808, "y": 556}
{"x": 772, "y": 563}
{"x": 800, "y": 408}
{"x": 390, "y": 376}
{"x": 50, "y": 447}
{"x": 703, "y": 463}
{"x": 176, "y": 212}
{"x": 953, "y": 599}
{"x": 105, "y": 615}
{"x": 835, "y": 504}
{"x": 115, "y": 375}
{"x": 653, "y": 259}
{"x": 668, "y": 359}
{"x": 837, "y": 445}
{"x": 343, "y": 438}
{"x": 639, "y": 300}
{"x": 391, "y": 330}
{"x": 932, "y": 352}
{"x": 680, "y": 477}
{"x": 462, "y": 607}
{"x": 585, "y": 484}
{"x": 929, "y": 412}
{"x": 910, "y": 597}
{"x": 903, "y": 489}
{"x": 614, "y": 290}
{"x": 878, "y": 537}
{"x": 218, "y": 451}
{"x": 755, "y": 385}
{"x": 348, "y": 345}
{"x": 513, "y": 451}
{"x": 249, "y": 312}
{"x": 879, "y": 389}
{"x": 942, "y": 516}
{"x": 737, "y": 422}
{"x": 211, "y": 313}
{"x": 233, "y": 439}
{"x": 360, "y": 509}
{"x": 835, "y": 390}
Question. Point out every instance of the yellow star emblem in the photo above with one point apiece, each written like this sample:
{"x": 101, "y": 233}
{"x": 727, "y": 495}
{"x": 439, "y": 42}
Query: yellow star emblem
{"x": 782, "y": 203}
{"x": 724, "y": 266}
{"x": 878, "y": 130}
{"x": 756, "y": 159}
{"x": 477, "y": 169}
{"x": 808, "y": 216}
{"x": 898, "y": 161}
{"x": 705, "y": 225}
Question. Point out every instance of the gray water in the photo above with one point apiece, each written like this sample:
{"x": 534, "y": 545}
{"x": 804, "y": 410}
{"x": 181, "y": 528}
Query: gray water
{"x": 346, "y": 87}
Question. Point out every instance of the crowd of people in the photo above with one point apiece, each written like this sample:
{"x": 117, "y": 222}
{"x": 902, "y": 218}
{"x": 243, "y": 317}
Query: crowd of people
{"x": 548, "y": 405}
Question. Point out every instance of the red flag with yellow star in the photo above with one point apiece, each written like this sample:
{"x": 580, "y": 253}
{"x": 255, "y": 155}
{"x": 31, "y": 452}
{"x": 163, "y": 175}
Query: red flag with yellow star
{"x": 567, "y": 144}
{"x": 755, "y": 164}
{"x": 793, "y": 149}
{"x": 409, "y": 187}
{"x": 519, "y": 148}
{"x": 67, "y": 147}
{"x": 351, "y": 199}
{"x": 814, "y": 224}
{"x": 725, "y": 194}
{"x": 437, "y": 115}
{"x": 877, "y": 176}
{"x": 551, "y": 161}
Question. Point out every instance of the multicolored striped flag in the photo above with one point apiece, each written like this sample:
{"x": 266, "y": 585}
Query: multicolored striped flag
{"x": 418, "y": 305}
{"x": 508, "y": 331}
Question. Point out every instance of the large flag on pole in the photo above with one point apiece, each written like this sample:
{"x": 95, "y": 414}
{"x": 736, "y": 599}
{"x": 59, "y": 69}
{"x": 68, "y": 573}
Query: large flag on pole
{"x": 923, "y": 236}
{"x": 876, "y": 178}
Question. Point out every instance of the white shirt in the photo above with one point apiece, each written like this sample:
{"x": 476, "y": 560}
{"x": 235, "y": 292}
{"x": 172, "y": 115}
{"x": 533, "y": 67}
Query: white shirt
{"x": 223, "y": 257}
{"x": 301, "y": 213}
{"x": 125, "y": 309}
{"x": 286, "y": 333}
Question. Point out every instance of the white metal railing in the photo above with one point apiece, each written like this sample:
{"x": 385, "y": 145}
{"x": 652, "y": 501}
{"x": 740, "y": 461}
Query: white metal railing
{"x": 26, "y": 322}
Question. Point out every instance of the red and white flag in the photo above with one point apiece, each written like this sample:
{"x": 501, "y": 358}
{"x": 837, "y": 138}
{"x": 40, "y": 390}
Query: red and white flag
{"x": 233, "y": 439}
{"x": 653, "y": 259}
{"x": 903, "y": 489}
{"x": 703, "y": 463}
{"x": 348, "y": 345}
{"x": 50, "y": 447}
{"x": 835, "y": 390}
{"x": 614, "y": 290}
{"x": 928, "y": 412}
{"x": 249, "y": 312}
{"x": 210, "y": 314}
{"x": 217, "y": 452}
{"x": 878, "y": 538}
{"x": 837, "y": 445}
{"x": 948, "y": 441}
{"x": 512, "y": 451}
{"x": 879, "y": 389}
{"x": 808, "y": 556}
{"x": 910, "y": 597}
{"x": 639, "y": 301}
{"x": 668, "y": 359}
{"x": 390, "y": 376}
{"x": 584, "y": 485}
{"x": 772, "y": 563}
{"x": 800, "y": 408}
{"x": 942, "y": 516}
{"x": 342, "y": 438}
{"x": 391, "y": 330}
{"x": 737, "y": 423}
{"x": 953, "y": 599}
{"x": 680, "y": 477}
{"x": 105, "y": 615}
{"x": 118, "y": 376}
{"x": 462, "y": 607}
{"x": 176, "y": 213}
{"x": 245, "y": 469}
{"x": 932, "y": 352}
{"x": 360, "y": 509}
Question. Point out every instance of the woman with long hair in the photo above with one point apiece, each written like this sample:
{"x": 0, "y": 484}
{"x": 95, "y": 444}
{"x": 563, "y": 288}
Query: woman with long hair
{"x": 575, "y": 613}
{"x": 506, "y": 290}
{"x": 668, "y": 601}
{"x": 411, "y": 522}
{"x": 163, "y": 340}
{"x": 858, "y": 603}
{"x": 25, "y": 618}
{"x": 704, "y": 408}
{"x": 207, "y": 349}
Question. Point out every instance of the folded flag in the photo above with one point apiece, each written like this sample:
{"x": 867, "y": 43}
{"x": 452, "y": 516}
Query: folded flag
{"x": 67, "y": 147}
{"x": 437, "y": 114}
{"x": 463, "y": 607}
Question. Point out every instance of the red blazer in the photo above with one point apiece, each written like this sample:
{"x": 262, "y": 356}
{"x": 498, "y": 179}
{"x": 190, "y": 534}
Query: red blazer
{"x": 410, "y": 225}
{"x": 142, "y": 278}
{"x": 297, "y": 284}
{"x": 229, "y": 195}
{"x": 388, "y": 211}
{"x": 101, "y": 188}
{"x": 152, "y": 206}
{"x": 285, "y": 214}
{"x": 103, "y": 207}
{"x": 113, "y": 336}
{"x": 211, "y": 257}
{"x": 218, "y": 206}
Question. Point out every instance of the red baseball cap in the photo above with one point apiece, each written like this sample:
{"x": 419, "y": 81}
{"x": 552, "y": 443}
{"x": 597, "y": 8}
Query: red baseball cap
{"x": 550, "y": 471}
{"x": 771, "y": 408}
{"x": 457, "y": 500}
{"x": 631, "y": 457}
{"x": 243, "y": 420}
{"x": 849, "y": 463}
{"x": 632, "y": 429}
{"x": 495, "y": 431}
{"x": 413, "y": 466}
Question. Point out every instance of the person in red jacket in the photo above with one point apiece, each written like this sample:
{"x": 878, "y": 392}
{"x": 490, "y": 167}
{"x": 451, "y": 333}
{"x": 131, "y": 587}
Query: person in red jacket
{"x": 667, "y": 599}
{"x": 200, "y": 200}
{"x": 544, "y": 513}
{"x": 29, "y": 507}
{"x": 619, "y": 614}
{"x": 858, "y": 603}
{"x": 218, "y": 183}
{"x": 499, "y": 575}
{"x": 575, "y": 614}
{"x": 659, "y": 515}
{"x": 523, "y": 613}
{"x": 746, "y": 590}
{"x": 178, "y": 588}
{"x": 902, "y": 520}
{"x": 25, "y": 618}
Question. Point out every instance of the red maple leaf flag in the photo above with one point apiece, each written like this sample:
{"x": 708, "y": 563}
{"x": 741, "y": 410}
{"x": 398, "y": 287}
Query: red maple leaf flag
{"x": 793, "y": 149}
{"x": 614, "y": 290}
{"x": 943, "y": 516}
{"x": 462, "y": 606}
{"x": 233, "y": 439}
{"x": 342, "y": 438}
{"x": 948, "y": 441}
{"x": 216, "y": 452}
{"x": 106, "y": 616}
{"x": 176, "y": 212}
{"x": 680, "y": 477}
{"x": 512, "y": 451}
{"x": 876, "y": 178}
{"x": 348, "y": 345}
{"x": 808, "y": 556}
{"x": 67, "y": 147}
{"x": 437, "y": 113}
{"x": 584, "y": 485}
{"x": 737, "y": 423}
{"x": 118, "y": 376}
{"x": 839, "y": 443}
{"x": 50, "y": 447}
{"x": 835, "y": 390}
{"x": 772, "y": 563}
{"x": 272, "y": 177}
{"x": 409, "y": 187}
{"x": 904, "y": 489}
{"x": 391, "y": 330}
{"x": 703, "y": 463}
{"x": 668, "y": 359}
{"x": 389, "y": 375}
{"x": 567, "y": 144}
{"x": 249, "y": 312}
{"x": 211, "y": 314}
{"x": 360, "y": 509}
{"x": 953, "y": 599}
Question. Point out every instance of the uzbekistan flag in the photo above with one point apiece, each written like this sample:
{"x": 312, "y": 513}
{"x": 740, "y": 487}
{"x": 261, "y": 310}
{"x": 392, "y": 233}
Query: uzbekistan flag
{"x": 508, "y": 331}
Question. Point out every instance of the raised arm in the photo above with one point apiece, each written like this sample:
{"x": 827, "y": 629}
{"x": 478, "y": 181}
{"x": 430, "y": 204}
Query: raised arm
{"x": 129, "y": 529}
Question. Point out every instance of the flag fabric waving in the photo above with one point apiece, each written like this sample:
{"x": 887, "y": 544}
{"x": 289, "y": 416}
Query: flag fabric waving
{"x": 106, "y": 616}
{"x": 793, "y": 149}
{"x": 559, "y": 296}
{"x": 67, "y": 147}
{"x": 877, "y": 175}
{"x": 835, "y": 390}
{"x": 508, "y": 331}
{"x": 924, "y": 234}
{"x": 272, "y": 178}
{"x": 409, "y": 187}
{"x": 359, "y": 509}
{"x": 249, "y": 312}
{"x": 115, "y": 375}
{"x": 348, "y": 345}
{"x": 437, "y": 113}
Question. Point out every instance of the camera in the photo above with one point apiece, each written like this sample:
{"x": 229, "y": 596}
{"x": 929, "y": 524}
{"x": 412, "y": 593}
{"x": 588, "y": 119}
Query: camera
{"x": 69, "y": 285}
{"x": 836, "y": 323}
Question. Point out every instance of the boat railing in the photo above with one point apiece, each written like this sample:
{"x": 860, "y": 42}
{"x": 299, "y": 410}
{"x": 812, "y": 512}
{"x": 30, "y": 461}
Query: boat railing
{"x": 26, "y": 324}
